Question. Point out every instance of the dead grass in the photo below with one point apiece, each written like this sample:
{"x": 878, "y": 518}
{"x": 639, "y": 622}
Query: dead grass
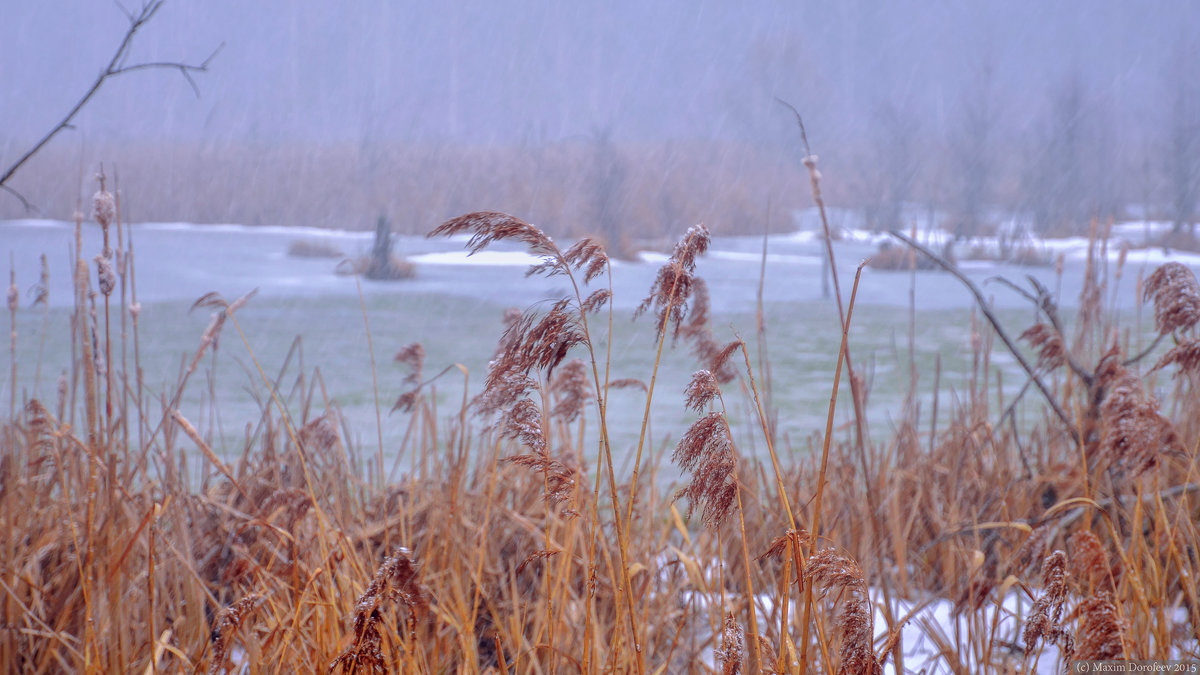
{"x": 503, "y": 549}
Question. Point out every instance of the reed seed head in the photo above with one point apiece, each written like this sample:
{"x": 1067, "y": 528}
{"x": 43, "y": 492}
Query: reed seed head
{"x": 779, "y": 545}
{"x": 672, "y": 287}
{"x": 1089, "y": 562}
{"x": 488, "y": 227}
{"x": 588, "y": 256}
{"x": 106, "y": 276}
{"x": 413, "y": 356}
{"x": 707, "y": 451}
{"x": 701, "y": 391}
{"x": 523, "y": 422}
{"x": 1045, "y": 618}
{"x": 535, "y": 556}
{"x": 711, "y": 354}
{"x": 226, "y": 625}
{"x": 571, "y": 387}
{"x": 104, "y": 207}
{"x": 834, "y": 572}
{"x": 1048, "y": 344}
{"x": 1133, "y": 433}
{"x": 1099, "y": 636}
{"x": 395, "y": 582}
{"x": 733, "y": 646}
{"x": 559, "y": 477}
{"x": 41, "y": 290}
{"x": 596, "y": 301}
{"x": 1186, "y": 355}
{"x": 1176, "y": 296}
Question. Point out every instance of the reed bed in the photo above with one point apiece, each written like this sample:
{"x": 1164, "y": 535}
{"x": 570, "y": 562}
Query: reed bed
{"x": 512, "y": 546}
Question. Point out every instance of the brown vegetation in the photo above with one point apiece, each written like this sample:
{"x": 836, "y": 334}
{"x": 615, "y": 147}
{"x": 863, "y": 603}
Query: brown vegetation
{"x": 303, "y": 248}
{"x": 504, "y": 549}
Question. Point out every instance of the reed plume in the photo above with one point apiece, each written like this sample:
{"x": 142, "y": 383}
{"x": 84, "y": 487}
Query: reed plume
{"x": 780, "y": 545}
{"x": 488, "y": 227}
{"x": 413, "y": 356}
{"x": 706, "y": 451}
{"x": 571, "y": 388}
{"x": 535, "y": 556}
{"x": 674, "y": 283}
{"x": 226, "y": 626}
{"x": 395, "y": 582}
{"x": 1185, "y": 355}
{"x": 589, "y": 257}
{"x": 1048, "y": 344}
{"x": 733, "y": 646}
{"x": 835, "y": 572}
{"x": 1045, "y": 619}
{"x": 1133, "y": 433}
{"x": 1100, "y": 633}
{"x": 39, "y": 292}
{"x": 1176, "y": 296}
{"x": 1089, "y": 564}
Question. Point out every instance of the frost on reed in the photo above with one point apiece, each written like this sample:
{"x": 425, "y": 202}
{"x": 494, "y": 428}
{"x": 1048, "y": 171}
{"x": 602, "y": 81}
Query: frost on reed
{"x": 1176, "y": 296}
{"x": 1133, "y": 434}
{"x": 227, "y": 623}
{"x": 1100, "y": 631}
{"x": 834, "y": 572}
{"x": 733, "y": 646}
{"x": 104, "y": 206}
{"x": 395, "y": 583}
{"x": 104, "y": 210}
{"x": 1045, "y": 619}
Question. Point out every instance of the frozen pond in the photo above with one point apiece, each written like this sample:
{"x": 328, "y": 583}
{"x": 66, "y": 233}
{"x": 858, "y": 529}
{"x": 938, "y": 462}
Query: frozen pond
{"x": 455, "y": 303}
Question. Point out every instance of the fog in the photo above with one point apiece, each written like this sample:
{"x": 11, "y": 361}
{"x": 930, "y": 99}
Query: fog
{"x": 649, "y": 115}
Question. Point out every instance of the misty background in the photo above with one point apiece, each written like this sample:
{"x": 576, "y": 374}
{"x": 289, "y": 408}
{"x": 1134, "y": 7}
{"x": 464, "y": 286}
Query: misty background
{"x": 630, "y": 120}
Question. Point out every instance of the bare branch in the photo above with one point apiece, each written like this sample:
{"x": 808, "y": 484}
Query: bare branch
{"x": 115, "y": 68}
{"x": 18, "y": 195}
{"x": 991, "y": 317}
{"x": 1146, "y": 352}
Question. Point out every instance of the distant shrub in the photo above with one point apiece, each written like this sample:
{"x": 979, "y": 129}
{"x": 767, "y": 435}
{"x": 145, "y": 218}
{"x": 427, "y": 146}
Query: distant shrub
{"x": 395, "y": 268}
{"x": 892, "y": 258}
{"x": 381, "y": 264}
{"x": 314, "y": 249}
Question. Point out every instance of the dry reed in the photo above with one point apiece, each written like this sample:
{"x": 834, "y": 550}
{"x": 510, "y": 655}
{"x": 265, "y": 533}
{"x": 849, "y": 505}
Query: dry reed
{"x": 134, "y": 553}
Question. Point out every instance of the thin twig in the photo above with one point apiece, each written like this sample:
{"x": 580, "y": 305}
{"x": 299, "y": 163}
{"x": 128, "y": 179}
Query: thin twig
{"x": 115, "y": 68}
{"x": 991, "y": 317}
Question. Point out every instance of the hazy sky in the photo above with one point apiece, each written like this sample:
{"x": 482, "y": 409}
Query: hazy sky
{"x": 497, "y": 71}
